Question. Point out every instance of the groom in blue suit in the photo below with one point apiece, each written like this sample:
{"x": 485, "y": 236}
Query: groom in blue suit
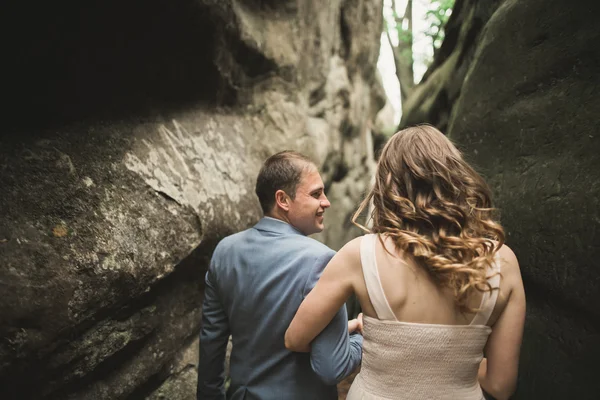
{"x": 255, "y": 283}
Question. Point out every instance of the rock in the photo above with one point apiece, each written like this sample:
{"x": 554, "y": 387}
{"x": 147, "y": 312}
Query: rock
{"x": 385, "y": 124}
{"x": 433, "y": 99}
{"x": 181, "y": 376}
{"x": 131, "y": 147}
{"x": 527, "y": 117}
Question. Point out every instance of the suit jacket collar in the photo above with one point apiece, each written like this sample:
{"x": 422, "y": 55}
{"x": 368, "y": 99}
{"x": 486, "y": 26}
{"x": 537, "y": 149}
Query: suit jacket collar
{"x": 269, "y": 224}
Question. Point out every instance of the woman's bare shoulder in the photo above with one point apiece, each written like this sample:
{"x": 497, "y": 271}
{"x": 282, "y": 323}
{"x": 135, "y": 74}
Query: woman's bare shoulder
{"x": 350, "y": 253}
{"x": 352, "y": 248}
{"x": 509, "y": 268}
{"x": 508, "y": 259}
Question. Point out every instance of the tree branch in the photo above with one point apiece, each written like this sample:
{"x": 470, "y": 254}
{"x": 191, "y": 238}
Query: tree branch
{"x": 403, "y": 57}
{"x": 408, "y": 14}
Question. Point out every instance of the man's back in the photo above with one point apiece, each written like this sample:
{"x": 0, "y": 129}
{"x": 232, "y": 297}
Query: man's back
{"x": 259, "y": 278}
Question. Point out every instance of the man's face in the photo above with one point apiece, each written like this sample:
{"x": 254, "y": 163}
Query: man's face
{"x": 306, "y": 210}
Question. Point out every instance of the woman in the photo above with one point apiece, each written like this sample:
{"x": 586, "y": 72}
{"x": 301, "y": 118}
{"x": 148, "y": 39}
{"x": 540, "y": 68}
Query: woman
{"x": 437, "y": 286}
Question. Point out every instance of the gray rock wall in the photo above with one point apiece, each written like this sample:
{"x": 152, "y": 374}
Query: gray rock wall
{"x": 528, "y": 117}
{"x": 130, "y": 147}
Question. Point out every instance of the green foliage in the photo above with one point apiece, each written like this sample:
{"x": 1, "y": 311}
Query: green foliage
{"x": 404, "y": 36}
{"x": 401, "y": 37}
{"x": 394, "y": 26}
{"x": 437, "y": 17}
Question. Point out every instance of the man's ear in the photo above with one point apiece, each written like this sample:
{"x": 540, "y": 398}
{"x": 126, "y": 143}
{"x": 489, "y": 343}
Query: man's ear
{"x": 282, "y": 200}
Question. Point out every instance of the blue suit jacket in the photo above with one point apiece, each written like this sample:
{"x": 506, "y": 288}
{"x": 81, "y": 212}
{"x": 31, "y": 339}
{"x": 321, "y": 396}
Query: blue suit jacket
{"x": 255, "y": 283}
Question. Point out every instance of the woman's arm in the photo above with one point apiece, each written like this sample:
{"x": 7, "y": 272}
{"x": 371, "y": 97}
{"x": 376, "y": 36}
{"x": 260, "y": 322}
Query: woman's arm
{"x": 498, "y": 372}
{"x": 354, "y": 325}
{"x": 329, "y": 295}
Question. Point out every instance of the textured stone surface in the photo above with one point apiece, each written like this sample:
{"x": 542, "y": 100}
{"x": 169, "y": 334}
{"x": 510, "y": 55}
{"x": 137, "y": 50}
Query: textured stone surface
{"x": 131, "y": 145}
{"x": 527, "y": 115}
{"x": 181, "y": 376}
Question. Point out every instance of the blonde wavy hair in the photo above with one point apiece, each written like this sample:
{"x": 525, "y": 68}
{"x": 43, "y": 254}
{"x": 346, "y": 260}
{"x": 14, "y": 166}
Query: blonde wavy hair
{"x": 436, "y": 209}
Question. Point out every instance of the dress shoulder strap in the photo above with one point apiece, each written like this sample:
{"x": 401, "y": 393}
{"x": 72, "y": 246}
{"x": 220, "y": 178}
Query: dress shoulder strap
{"x": 488, "y": 300}
{"x": 372, "y": 280}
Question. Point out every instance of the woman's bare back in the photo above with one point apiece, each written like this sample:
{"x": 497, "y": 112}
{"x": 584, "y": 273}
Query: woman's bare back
{"x": 415, "y": 297}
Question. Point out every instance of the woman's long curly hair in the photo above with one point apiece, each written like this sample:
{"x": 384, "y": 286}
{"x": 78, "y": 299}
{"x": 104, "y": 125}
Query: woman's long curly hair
{"x": 436, "y": 209}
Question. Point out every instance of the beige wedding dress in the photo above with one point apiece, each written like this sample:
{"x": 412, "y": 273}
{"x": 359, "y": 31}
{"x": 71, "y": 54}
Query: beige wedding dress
{"x": 412, "y": 361}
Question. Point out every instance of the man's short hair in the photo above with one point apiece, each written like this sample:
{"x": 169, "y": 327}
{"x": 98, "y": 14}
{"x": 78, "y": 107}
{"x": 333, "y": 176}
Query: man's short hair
{"x": 281, "y": 171}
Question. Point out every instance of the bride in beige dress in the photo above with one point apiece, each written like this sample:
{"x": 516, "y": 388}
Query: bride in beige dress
{"x": 442, "y": 296}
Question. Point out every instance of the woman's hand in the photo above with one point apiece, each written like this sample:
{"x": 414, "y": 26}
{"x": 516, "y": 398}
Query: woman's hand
{"x": 356, "y": 324}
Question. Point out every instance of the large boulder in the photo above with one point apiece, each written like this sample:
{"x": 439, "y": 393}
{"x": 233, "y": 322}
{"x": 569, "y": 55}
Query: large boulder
{"x": 528, "y": 117}
{"x": 131, "y": 144}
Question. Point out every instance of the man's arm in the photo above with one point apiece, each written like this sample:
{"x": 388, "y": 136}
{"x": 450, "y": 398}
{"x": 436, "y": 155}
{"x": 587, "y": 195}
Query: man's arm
{"x": 334, "y": 353}
{"x": 214, "y": 336}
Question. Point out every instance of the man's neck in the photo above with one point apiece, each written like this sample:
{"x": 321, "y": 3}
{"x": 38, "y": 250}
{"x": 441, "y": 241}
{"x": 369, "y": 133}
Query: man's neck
{"x": 279, "y": 216}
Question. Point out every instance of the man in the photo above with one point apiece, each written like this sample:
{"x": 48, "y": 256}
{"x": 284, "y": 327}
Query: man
{"x": 255, "y": 283}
